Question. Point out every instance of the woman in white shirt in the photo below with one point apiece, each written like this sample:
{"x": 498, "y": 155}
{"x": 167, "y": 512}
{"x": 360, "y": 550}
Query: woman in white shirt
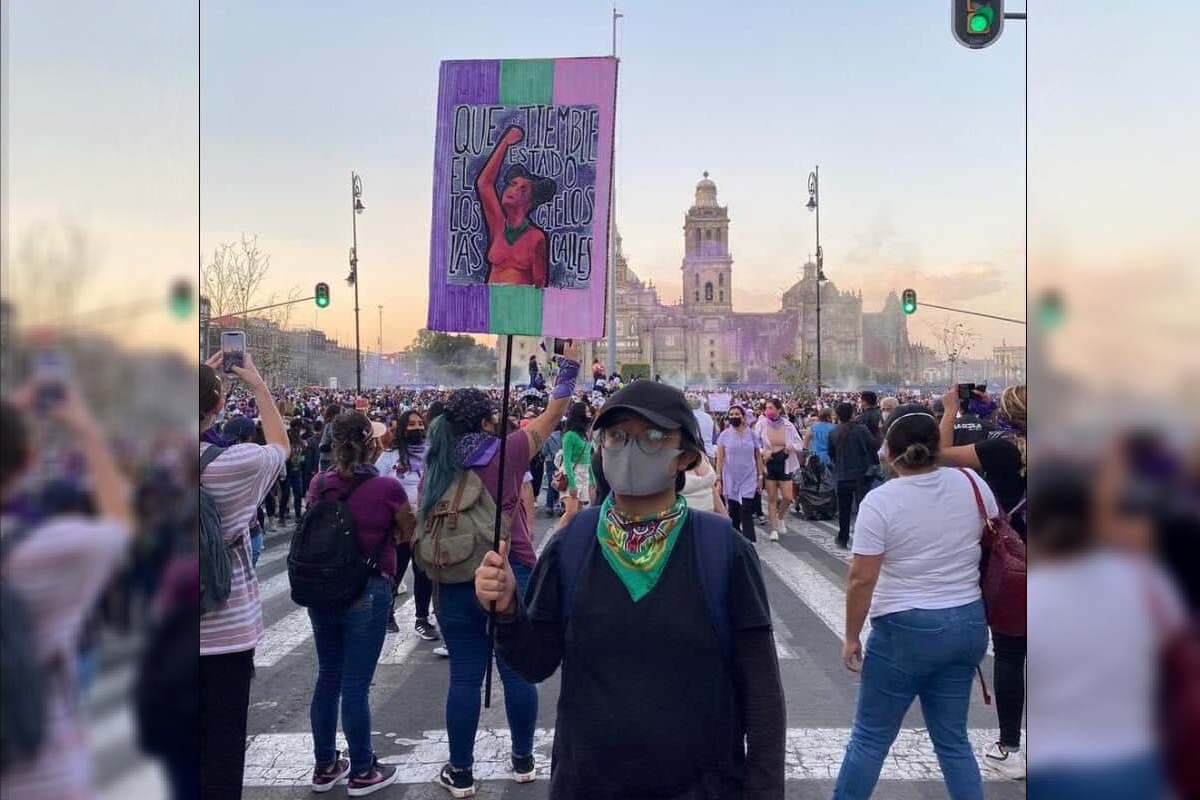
{"x": 916, "y": 567}
{"x": 700, "y": 488}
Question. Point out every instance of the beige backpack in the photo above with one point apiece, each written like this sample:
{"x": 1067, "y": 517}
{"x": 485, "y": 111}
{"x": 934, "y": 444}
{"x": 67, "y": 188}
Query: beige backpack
{"x": 458, "y": 532}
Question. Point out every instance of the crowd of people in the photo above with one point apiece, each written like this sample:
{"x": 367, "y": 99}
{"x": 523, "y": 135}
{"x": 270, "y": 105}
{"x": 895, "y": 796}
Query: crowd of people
{"x": 658, "y": 499}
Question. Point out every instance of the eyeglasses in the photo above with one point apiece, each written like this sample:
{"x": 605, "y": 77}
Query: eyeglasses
{"x": 615, "y": 439}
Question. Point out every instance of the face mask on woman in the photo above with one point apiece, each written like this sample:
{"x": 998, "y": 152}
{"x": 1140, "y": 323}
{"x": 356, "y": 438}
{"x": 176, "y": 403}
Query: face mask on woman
{"x": 771, "y": 414}
{"x": 632, "y": 473}
{"x": 416, "y": 436}
{"x": 735, "y": 422}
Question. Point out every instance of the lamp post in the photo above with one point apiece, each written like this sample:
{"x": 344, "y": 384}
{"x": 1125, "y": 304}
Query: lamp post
{"x": 612, "y": 227}
{"x": 356, "y": 208}
{"x": 379, "y": 370}
{"x": 814, "y": 204}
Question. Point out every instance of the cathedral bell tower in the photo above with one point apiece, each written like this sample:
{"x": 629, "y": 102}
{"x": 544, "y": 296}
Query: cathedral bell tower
{"x": 707, "y": 263}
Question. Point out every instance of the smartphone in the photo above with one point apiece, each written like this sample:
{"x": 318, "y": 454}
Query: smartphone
{"x": 964, "y": 393}
{"x": 560, "y": 346}
{"x": 50, "y": 370}
{"x": 233, "y": 350}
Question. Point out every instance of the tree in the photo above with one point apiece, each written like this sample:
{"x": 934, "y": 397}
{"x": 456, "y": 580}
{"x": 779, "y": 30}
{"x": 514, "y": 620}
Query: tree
{"x": 955, "y": 342}
{"x": 798, "y": 374}
{"x": 232, "y": 281}
{"x": 54, "y": 263}
{"x": 445, "y": 358}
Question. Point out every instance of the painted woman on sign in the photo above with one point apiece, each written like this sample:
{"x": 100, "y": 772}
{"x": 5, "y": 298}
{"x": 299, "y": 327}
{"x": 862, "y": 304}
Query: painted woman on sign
{"x": 517, "y": 252}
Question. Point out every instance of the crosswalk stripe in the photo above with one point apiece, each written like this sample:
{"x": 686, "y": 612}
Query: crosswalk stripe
{"x": 285, "y": 759}
{"x": 282, "y": 638}
{"x": 815, "y": 590}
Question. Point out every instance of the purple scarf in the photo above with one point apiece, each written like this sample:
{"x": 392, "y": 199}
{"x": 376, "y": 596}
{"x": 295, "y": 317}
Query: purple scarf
{"x": 474, "y": 450}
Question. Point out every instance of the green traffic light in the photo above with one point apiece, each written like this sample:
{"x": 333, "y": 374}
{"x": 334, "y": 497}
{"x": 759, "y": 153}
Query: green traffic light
{"x": 981, "y": 20}
{"x": 181, "y": 299}
{"x": 322, "y": 302}
{"x": 909, "y": 308}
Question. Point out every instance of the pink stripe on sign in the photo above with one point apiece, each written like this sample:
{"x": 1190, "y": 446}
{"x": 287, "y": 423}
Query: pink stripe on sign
{"x": 579, "y": 313}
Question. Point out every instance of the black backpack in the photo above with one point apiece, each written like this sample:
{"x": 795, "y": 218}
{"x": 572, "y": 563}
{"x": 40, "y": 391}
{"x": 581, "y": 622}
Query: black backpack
{"x": 216, "y": 565}
{"x": 24, "y": 688}
{"x": 326, "y": 569}
{"x": 167, "y": 693}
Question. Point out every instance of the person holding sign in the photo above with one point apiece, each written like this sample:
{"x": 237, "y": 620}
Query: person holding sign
{"x": 648, "y": 605}
{"x": 459, "y": 495}
{"x": 517, "y": 251}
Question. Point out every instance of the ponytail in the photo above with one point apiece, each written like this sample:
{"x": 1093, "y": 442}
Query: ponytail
{"x": 440, "y": 472}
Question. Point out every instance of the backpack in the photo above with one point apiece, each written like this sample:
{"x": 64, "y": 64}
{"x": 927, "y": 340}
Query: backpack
{"x": 216, "y": 565}
{"x": 714, "y": 538}
{"x": 167, "y": 693}
{"x": 456, "y": 534}
{"x": 1001, "y": 569}
{"x": 326, "y": 568}
{"x": 24, "y": 688}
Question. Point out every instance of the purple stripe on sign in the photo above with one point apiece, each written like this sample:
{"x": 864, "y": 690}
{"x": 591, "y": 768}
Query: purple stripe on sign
{"x": 579, "y": 313}
{"x": 455, "y": 308}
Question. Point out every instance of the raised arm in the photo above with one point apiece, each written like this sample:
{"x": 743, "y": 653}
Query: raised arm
{"x": 948, "y": 454}
{"x": 539, "y": 430}
{"x": 485, "y": 183}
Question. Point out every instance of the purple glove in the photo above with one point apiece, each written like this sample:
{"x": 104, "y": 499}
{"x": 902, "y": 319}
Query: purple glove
{"x": 564, "y": 385}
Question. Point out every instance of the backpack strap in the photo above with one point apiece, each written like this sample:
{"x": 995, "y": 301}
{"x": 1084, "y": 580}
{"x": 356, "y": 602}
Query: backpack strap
{"x": 575, "y": 545}
{"x": 210, "y": 454}
{"x": 978, "y": 497}
{"x": 714, "y": 564}
{"x": 22, "y": 531}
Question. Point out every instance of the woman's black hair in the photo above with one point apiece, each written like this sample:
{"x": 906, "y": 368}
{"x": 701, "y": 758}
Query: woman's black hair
{"x": 351, "y": 442}
{"x": 210, "y": 390}
{"x": 435, "y": 410}
{"x": 467, "y": 410}
{"x": 14, "y": 443}
{"x": 577, "y": 419}
{"x": 775, "y": 401}
{"x": 399, "y": 443}
{"x": 913, "y": 439}
{"x": 844, "y": 411}
{"x": 1063, "y": 524}
{"x": 543, "y": 188}
{"x": 331, "y": 412}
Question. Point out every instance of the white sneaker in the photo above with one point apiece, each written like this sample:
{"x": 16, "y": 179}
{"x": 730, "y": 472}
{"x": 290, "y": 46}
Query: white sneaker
{"x": 1009, "y": 763}
{"x": 401, "y": 589}
{"x": 773, "y": 536}
{"x": 441, "y": 651}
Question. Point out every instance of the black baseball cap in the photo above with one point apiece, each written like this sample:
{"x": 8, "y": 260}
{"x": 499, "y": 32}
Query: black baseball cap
{"x": 663, "y": 405}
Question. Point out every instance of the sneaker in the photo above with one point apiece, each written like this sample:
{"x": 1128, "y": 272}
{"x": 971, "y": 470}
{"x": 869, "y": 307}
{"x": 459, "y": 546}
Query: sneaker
{"x": 427, "y": 630}
{"x": 392, "y": 625}
{"x": 842, "y": 543}
{"x": 374, "y": 779}
{"x": 1009, "y": 763}
{"x": 459, "y": 782}
{"x": 773, "y": 536}
{"x": 441, "y": 651}
{"x": 523, "y": 769}
{"x": 401, "y": 589}
{"x": 325, "y": 778}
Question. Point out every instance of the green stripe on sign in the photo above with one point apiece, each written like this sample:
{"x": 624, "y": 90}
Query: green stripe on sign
{"x": 526, "y": 81}
{"x": 515, "y": 310}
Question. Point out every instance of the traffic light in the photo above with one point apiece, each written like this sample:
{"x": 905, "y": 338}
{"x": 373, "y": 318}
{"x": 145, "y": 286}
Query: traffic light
{"x": 322, "y": 295}
{"x": 181, "y": 298}
{"x": 977, "y": 23}
{"x": 1050, "y": 309}
{"x": 908, "y": 301}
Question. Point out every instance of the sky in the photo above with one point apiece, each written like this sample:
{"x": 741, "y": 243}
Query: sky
{"x": 131, "y": 120}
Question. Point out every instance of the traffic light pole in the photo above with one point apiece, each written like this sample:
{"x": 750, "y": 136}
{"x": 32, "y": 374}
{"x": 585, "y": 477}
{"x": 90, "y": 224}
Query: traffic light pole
{"x": 973, "y": 313}
{"x": 265, "y": 308}
{"x": 354, "y": 233}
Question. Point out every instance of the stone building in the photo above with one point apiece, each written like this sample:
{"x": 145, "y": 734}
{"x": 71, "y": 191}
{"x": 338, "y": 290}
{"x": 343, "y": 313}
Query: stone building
{"x": 701, "y": 339}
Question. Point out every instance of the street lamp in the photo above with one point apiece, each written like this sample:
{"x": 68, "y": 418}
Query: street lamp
{"x": 814, "y": 204}
{"x": 356, "y": 207}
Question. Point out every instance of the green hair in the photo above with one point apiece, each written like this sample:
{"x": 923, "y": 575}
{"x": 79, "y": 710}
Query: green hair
{"x": 440, "y": 471}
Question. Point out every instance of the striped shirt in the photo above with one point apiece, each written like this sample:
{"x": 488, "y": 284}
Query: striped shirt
{"x": 59, "y": 572}
{"x": 238, "y": 480}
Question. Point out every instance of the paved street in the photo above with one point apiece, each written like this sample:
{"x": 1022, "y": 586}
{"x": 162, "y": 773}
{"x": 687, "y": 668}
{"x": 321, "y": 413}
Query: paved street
{"x": 805, "y": 576}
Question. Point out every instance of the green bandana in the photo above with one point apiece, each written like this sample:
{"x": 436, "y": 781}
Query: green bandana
{"x": 512, "y": 234}
{"x": 638, "y": 548}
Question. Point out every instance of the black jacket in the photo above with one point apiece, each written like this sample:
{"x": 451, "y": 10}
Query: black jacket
{"x": 853, "y": 451}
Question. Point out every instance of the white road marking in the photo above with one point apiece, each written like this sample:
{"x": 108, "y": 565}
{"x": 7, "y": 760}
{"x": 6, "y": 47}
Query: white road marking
{"x": 285, "y": 759}
{"x": 819, "y": 593}
{"x": 282, "y": 638}
{"x": 146, "y": 782}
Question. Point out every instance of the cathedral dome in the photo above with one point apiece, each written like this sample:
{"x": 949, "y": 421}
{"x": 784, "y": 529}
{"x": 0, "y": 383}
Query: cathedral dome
{"x": 706, "y": 192}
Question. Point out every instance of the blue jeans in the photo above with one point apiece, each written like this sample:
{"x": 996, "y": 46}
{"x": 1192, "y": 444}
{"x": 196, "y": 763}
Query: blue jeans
{"x": 348, "y": 642}
{"x": 917, "y": 653}
{"x": 1139, "y": 778}
{"x": 256, "y": 544}
{"x": 551, "y": 494}
{"x": 293, "y": 484}
{"x": 464, "y": 629}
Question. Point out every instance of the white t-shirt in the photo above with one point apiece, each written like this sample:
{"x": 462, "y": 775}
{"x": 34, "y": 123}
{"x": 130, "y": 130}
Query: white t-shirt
{"x": 927, "y": 528}
{"x": 1093, "y": 658}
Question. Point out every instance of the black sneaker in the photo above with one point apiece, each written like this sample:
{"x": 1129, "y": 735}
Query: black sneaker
{"x": 459, "y": 782}
{"x": 842, "y": 543}
{"x": 392, "y": 625}
{"x": 523, "y": 769}
{"x": 377, "y": 777}
{"x": 427, "y": 630}
{"x": 325, "y": 778}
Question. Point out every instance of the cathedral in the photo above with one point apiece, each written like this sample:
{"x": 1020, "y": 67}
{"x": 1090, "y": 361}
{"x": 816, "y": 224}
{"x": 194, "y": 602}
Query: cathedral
{"x": 702, "y": 340}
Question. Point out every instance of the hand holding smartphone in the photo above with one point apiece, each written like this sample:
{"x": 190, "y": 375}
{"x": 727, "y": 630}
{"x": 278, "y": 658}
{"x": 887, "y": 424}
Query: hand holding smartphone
{"x": 233, "y": 350}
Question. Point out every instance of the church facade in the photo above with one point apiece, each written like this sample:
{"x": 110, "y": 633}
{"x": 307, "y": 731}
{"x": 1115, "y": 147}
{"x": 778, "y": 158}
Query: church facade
{"x": 702, "y": 340}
